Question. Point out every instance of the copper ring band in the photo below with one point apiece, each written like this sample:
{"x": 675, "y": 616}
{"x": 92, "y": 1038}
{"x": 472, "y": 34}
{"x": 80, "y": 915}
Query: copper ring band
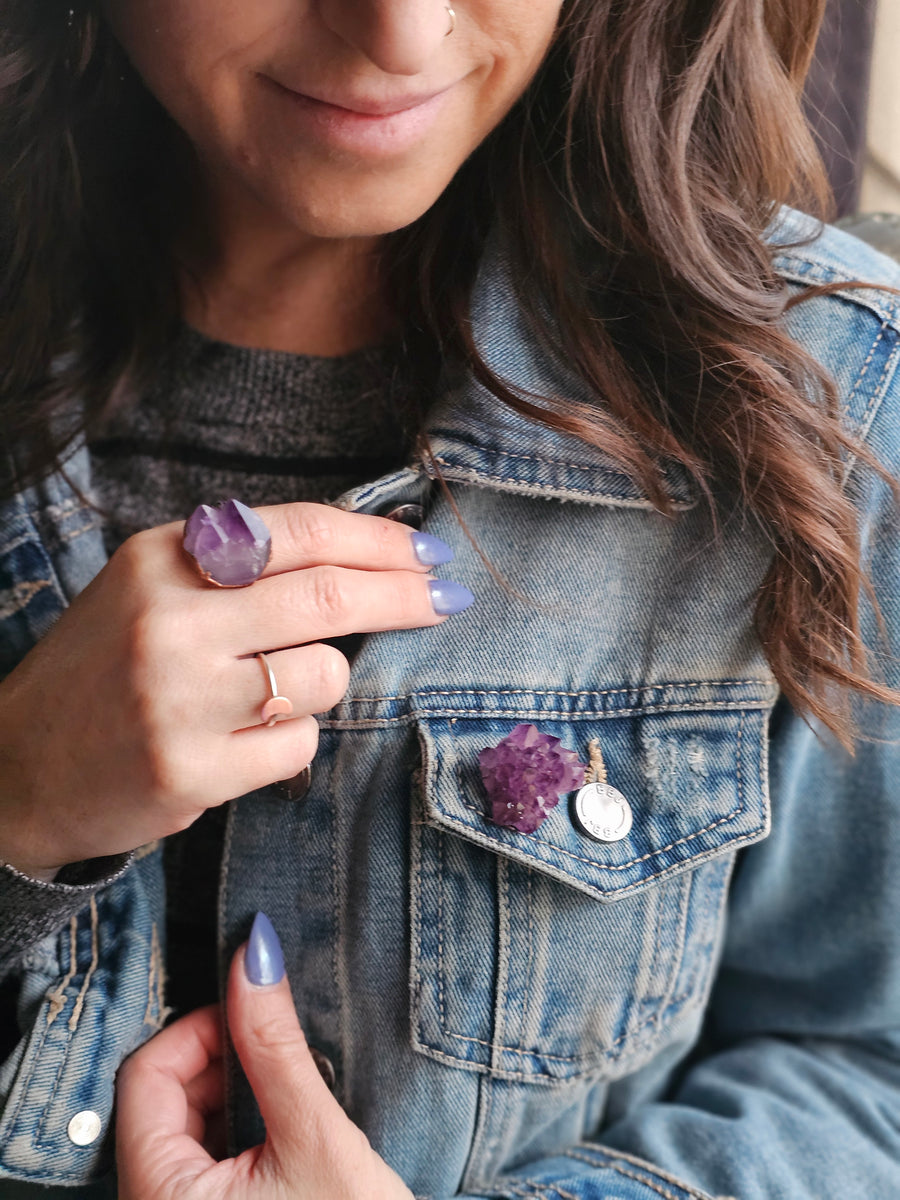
{"x": 276, "y": 706}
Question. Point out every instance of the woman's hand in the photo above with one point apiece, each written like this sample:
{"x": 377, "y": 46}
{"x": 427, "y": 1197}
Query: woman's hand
{"x": 171, "y": 1099}
{"x": 141, "y": 708}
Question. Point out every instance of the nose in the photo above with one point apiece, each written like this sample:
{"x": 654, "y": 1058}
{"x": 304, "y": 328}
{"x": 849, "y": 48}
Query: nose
{"x": 398, "y": 36}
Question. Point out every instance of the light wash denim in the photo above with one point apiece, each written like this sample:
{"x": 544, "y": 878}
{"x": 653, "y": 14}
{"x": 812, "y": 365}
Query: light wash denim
{"x": 709, "y": 1007}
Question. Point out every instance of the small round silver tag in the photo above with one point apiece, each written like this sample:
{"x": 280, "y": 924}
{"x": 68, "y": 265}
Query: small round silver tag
{"x": 602, "y": 812}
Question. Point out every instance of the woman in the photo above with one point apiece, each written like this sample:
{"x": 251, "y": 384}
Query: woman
{"x": 256, "y": 250}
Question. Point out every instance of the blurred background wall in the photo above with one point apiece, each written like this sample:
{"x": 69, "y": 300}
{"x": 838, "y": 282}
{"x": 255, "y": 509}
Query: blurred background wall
{"x": 853, "y": 103}
{"x": 881, "y": 171}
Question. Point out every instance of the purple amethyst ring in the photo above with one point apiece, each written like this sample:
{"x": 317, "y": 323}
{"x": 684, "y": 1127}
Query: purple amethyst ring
{"x": 230, "y": 544}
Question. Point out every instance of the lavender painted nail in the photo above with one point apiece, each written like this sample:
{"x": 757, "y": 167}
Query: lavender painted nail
{"x": 263, "y": 959}
{"x": 230, "y": 544}
{"x": 430, "y": 551}
{"x": 448, "y": 598}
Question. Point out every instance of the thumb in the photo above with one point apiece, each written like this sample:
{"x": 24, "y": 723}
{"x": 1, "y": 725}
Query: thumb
{"x": 294, "y": 1100}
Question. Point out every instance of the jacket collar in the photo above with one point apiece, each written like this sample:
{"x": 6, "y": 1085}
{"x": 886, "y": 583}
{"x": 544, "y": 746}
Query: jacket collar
{"x": 477, "y": 439}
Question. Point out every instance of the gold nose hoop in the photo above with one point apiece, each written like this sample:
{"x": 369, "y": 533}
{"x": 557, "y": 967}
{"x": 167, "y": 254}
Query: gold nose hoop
{"x": 452, "y": 15}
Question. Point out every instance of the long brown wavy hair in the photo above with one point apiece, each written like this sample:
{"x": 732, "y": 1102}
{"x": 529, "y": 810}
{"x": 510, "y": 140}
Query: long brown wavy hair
{"x": 635, "y": 179}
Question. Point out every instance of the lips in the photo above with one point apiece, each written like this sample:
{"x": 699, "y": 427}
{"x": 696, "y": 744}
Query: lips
{"x": 366, "y": 127}
{"x": 362, "y": 105}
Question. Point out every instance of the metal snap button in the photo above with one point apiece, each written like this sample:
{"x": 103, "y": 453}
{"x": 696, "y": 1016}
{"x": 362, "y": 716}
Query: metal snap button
{"x": 84, "y": 1128}
{"x": 602, "y": 813}
{"x": 326, "y": 1067}
{"x": 407, "y": 514}
{"x": 295, "y": 789}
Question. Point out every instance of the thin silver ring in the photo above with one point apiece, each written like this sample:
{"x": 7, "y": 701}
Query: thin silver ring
{"x": 276, "y": 706}
{"x": 452, "y": 16}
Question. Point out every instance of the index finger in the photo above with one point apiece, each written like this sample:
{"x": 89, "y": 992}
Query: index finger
{"x": 153, "y": 1127}
{"x": 317, "y": 535}
{"x": 165, "y": 1067}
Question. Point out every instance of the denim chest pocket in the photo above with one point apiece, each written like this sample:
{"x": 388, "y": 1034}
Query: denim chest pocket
{"x": 550, "y": 956}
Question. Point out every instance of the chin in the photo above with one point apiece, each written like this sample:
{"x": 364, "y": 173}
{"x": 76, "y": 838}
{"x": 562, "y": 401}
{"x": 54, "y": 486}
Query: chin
{"x": 359, "y": 208}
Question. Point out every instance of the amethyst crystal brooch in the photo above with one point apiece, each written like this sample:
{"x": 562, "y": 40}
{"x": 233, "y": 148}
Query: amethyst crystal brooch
{"x": 524, "y": 776}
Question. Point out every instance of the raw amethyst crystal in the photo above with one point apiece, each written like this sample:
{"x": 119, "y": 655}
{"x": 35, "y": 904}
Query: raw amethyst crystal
{"x": 230, "y": 544}
{"x": 525, "y": 775}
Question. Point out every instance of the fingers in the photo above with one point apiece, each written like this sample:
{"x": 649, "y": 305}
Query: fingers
{"x": 325, "y": 602}
{"x": 298, "y": 1109}
{"x": 314, "y": 678}
{"x": 311, "y": 535}
{"x": 158, "y": 1091}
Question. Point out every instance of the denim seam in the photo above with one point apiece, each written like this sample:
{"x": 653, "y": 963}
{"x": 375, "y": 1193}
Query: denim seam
{"x": 621, "y": 1156}
{"x": 155, "y": 983}
{"x": 657, "y": 950}
{"x": 336, "y": 974}
{"x": 57, "y": 997}
{"x": 698, "y": 683}
{"x": 92, "y": 967}
{"x": 688, "y": 837}
{"x": 23, "y": 539}
{"x": 876, "y": 398}
{"x": 504, "y": 935}
{"x": 63, "y": 508}
{"x": 488, "y": 1141}
{"x": 441, "y": 874}
{"x": 416, "y": 919}
{"x": 584, "y": 1062}
{"x": 36, "y": 1136}
{"x": 11, "y": 1119}
{"x": 541, "y": 1190}
{"x": 573, "y": 718}
{"x": 21, "y": 595}
{"x": 222, "y": 915}
{"x": 462, "y": 473}
{"x": 872, "y": 407}
{"x": 69, "y": 535}
{"x": 529, "y": 960}
{"x": 537, "y": 1077}
{"x": 684, "y": 908}
{"x": 460, "y": 786}
{"x": 616, "y": 1166}
{"x": 822, "y": 273}
{"x": 863, "y": 370}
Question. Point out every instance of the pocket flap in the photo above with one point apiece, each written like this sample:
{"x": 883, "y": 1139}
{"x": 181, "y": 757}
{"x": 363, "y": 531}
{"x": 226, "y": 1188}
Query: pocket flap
{"x": 694, "y": 775}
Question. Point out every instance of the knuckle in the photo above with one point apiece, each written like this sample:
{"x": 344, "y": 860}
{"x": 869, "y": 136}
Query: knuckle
{"x": 333, "y": 674}
{"x": 329, "y": 596}
{"x": 300, "y": 751}
{"x": 406, "y": 598}
{"x": 312, "y": 531}
{"x": 162, "y": 770}
{"x": 307, "y": 742}
{"x": 278, "y": 1033}
{"x": 384, "y": 538}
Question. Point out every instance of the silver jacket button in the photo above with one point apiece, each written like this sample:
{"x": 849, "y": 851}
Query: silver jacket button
{"x": 296, "y": 788}
{"x": 407, "y": 514}
{"x": 326, "y": 1067}
{"x": 602, "y": 813}
{"x": 84, "y": 1128}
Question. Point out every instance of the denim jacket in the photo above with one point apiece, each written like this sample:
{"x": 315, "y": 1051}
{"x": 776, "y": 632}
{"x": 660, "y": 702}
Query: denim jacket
{"x": 706, "y": 1007}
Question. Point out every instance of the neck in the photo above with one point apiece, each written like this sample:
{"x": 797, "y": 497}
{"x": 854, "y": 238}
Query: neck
{"x": 251, "y": 280}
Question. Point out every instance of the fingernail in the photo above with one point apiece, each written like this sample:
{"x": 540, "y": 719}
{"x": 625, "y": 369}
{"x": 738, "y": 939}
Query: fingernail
{"x": 263, "y": 960}
{"x": 448, "y": 598}
{"x": 430, "y": 551}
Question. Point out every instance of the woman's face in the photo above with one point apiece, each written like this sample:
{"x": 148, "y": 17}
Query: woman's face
{"x": 340, "y": 117}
